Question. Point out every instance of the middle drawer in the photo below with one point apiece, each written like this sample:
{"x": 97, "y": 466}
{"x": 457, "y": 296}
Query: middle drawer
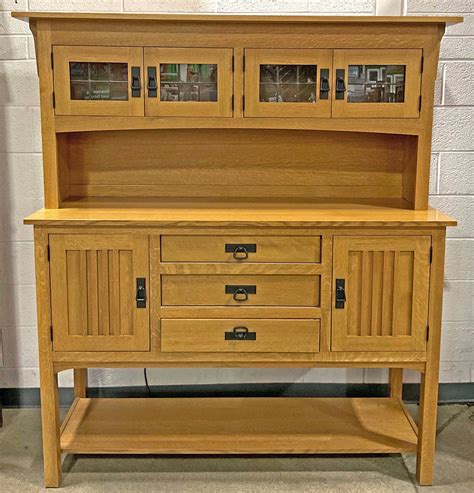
{"x": 239, "y": 290}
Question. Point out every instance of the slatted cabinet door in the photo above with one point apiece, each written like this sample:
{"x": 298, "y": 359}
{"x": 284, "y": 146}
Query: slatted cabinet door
{"x": 94, "y": 292}
{"x": 386, "y": 289}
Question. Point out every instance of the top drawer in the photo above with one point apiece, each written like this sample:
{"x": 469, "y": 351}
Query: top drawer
{"x": 201, "y": 248}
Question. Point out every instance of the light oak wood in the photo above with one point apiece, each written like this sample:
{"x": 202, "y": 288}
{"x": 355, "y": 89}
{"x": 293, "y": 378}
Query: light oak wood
{"x": 326, "y": 191}
{"x": 239, "y": 18}
{"x": 271, "y": 290}
{"x": 238, "y": 425}
{"x": 255, "y": 58}
{"x": 387, "y": 290}
{"x": 411, "y": 59}
{"x": 154, "y": 57}
{"x": 93, "y": 284}
{"x": 267, "y": 249}
{"x": 208, "y": 335}
{"x": 64, "y": 55}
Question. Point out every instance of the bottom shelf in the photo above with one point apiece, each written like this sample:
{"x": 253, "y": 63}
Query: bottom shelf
{"x": 238, "y": 426}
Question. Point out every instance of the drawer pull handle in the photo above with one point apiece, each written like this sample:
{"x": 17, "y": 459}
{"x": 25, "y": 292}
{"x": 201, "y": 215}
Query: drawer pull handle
{"x": 240, "y": 293}
{"x": 240, "y": 333}
{"x": 240, "y": 251}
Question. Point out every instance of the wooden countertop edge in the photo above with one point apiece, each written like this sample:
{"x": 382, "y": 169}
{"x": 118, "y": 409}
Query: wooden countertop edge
{"x": 76, "y": 217}
{"x": 317, "y": 19}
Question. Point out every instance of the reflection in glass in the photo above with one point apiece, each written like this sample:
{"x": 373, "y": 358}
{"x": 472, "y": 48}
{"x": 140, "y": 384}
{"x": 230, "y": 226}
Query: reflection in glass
{"x": 99, "y": 81}
{"x": 188, "y": 82}
{"x": 376, "y": 84}
{"x": 288, "y": 83}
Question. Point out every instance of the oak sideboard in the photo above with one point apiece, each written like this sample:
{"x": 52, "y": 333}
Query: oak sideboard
{"x": 237, "y": 191}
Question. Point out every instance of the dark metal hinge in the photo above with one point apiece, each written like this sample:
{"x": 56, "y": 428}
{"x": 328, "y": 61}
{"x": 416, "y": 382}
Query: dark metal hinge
{"x": 243, "y": 103}
{"x": 233, "y": 62}
{"x": 427, "y": 333}
{"x": 431, "y": 255}
{"x": 54, "y": 100}
{"x": 419, "y": 103}
{"x": 48, "y": 253}
{"x": 52, "y": 61}
{"x": 422, "y": 63}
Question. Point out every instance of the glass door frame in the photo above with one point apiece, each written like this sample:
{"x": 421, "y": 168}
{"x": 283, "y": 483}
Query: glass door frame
{"x": 410, "y": 108}
{"x": 254, "y": 57}
{"x": 222, "y": 57}
{"x": 63, "y": 55}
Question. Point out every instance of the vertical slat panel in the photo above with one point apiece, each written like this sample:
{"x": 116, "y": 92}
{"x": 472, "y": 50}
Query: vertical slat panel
{"x": 387, "y": 296}
{"x": 76, "y": 292}
{"x": 126, "y": 292}
{"x": 403, "y": 286}
{"x": 114, "y": 292}
{"x": 103, "y": 291}
{"x": 377, "y": 283}
{"x": 366, "y": 304}
{"x": 92, "y": 298}
{"x": 353, "y": 293}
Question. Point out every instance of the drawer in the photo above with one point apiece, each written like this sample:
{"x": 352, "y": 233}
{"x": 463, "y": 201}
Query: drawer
{"x": 241, "y": 335}
{"x": 200, "y": 248}
{"x": 232, "y": 290}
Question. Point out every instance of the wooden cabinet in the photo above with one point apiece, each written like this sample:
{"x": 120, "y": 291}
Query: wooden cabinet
{"x": 386, "y": 290}
{"x": 92, "y": 80}
{"x": 237, "y": 191}
{"x": 287, "y": 83}
{"x": 95, "y": 282}
{"x": 188, "y": 82}
{"x": 377, "y": 83}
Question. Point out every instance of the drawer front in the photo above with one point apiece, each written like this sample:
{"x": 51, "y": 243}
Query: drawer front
{"x": 237, "y": 290}
{"x": 236, "y": 336}
{"x": 200, "y": 248}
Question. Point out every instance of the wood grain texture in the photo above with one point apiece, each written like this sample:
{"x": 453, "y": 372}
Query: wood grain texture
{"x": 387, "y": 290}
{"x": 208, "y": 335}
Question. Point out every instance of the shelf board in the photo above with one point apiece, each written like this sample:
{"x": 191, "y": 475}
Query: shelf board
{"x": 138, "y": 211}
{"x": 238, "y": 425}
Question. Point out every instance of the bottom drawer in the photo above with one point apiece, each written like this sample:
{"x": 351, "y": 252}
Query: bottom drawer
{"x": 240, "y": 336}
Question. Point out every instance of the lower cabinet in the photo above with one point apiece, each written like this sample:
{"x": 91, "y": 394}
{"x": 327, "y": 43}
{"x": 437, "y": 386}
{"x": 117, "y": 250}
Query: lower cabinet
{"x": 100, "y": 283}
{"x": 381, "y": 287}
{"x": 98, "y": 292}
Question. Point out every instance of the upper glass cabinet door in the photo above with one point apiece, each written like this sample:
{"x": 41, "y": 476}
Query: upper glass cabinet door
{"x": 188, "y": 82}
{"x": 376, "y": 83}
{"x": 98, "y": 81}
{"x": 287, "y": 83}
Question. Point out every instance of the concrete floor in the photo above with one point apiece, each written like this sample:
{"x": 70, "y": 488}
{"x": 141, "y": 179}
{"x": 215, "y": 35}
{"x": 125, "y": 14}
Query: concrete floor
{"x": 21, "y": 466}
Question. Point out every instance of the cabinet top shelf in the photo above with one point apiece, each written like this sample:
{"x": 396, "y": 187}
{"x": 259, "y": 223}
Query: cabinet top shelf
{"x": 242, "y": 18}
{"x": 102, "y": 211}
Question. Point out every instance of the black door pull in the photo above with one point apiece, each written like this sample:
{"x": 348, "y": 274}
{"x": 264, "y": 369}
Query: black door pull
{"x": 136, "y": 84}
{"x": 324, "y": 84}
{"x": 240, "y": 334}
{"x": 240, "y": 293}
{"x": 152, "y": 86}
{"x": 141, "y": 292}
{"x": 340, "y": 293}
{"x": 340, "y": 83}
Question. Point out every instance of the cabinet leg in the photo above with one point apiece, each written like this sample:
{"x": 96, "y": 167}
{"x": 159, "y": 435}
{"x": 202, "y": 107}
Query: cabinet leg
{"x": 427, "y": 425}
{"x": 50, "y": 424}
{"x": 396, "y": 382}
{"x": 80, "y": 382}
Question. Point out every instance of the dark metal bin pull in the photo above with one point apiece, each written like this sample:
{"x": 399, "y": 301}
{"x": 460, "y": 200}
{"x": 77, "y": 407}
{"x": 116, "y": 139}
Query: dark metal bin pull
{"x": 324, "y": 84}
{"x": 141, "y": 292}
{"x": 340, "y": 293}
{"x": 136, "y": 84}
{"x": 152, "y": 87}
{"x": 340, "y": 83}
{"x": 240, "y": 251}
{"x": 240, "y": 334}
{"x": 240, "y": 293}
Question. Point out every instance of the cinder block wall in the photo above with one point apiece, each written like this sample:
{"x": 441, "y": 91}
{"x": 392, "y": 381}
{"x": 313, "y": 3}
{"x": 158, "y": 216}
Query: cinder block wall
{"x": 452, "y": 185}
